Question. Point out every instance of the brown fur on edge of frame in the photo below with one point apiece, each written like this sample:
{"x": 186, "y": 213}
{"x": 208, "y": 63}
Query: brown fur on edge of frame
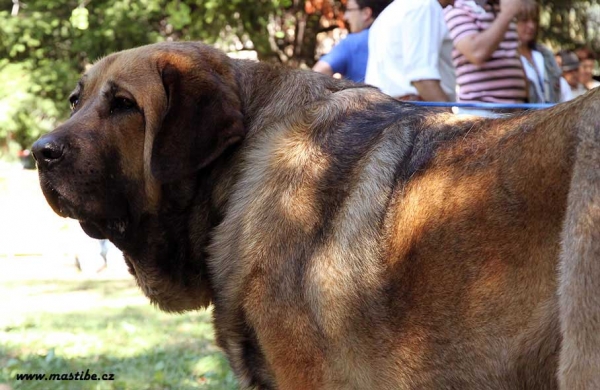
{"x": 346, "y": 240}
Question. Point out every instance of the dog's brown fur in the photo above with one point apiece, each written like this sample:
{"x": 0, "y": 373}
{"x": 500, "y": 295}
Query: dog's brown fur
{"x": 579, "y": 272}
{"x": 347, "y": 241}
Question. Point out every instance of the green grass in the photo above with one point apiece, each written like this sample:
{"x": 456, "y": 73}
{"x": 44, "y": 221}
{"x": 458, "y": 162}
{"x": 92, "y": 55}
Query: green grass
{"x": 106, "y": 327}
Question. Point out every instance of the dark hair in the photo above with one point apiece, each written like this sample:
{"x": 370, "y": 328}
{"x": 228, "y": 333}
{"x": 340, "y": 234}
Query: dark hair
{"x": 584, "y": 53}
{"x": 376, "y": 5}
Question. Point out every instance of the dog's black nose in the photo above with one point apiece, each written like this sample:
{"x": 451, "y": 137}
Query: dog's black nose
{"x": 47, "y": 150}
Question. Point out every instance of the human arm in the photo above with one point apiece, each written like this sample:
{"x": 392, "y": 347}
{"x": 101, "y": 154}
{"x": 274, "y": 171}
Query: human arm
{"x": 423, "y": 31}
{"x": 479, "y": 47}
{"x": 323, "y": 67}
{"x": 336, "y": 61}
{"x": 430, "y": 90}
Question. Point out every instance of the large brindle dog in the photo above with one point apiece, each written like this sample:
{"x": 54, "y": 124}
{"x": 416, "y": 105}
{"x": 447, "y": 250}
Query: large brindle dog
{"x": 346, "y": 240}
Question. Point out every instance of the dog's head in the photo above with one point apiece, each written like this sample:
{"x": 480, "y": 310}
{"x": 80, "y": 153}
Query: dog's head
{"x": 143, "y": 122}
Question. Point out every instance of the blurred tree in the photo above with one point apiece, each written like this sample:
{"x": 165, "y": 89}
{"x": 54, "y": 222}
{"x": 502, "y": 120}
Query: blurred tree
{"x": 46, "y": 44}
{"x": 571, "y": 23}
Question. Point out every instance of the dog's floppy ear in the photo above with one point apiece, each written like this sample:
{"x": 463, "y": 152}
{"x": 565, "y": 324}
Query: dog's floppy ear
{"x": 203, "y": 115}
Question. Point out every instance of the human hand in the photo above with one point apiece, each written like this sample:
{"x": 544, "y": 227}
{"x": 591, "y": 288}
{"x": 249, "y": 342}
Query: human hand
{"x": 510, "y": 7}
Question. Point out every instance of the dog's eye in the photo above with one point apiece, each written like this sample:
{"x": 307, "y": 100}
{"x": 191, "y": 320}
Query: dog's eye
{"x": 74, "y": 101}
{"x": 122, "y": 104}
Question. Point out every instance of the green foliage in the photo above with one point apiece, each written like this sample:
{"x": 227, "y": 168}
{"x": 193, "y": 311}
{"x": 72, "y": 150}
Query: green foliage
{"x": 24, "y": 112}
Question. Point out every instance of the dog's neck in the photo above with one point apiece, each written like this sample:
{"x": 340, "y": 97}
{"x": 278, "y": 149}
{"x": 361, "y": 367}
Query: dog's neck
{"x": 264, "y": 103}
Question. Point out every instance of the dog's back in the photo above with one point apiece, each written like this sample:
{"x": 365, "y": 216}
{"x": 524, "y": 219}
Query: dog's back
{"x": 420, "y": 249}
{"x": 579, "y": 270}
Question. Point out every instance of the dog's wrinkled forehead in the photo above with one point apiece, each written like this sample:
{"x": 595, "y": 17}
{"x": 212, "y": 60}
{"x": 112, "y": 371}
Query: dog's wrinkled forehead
{"x": 139, "y": 74}
{"x": 140, "y": 70}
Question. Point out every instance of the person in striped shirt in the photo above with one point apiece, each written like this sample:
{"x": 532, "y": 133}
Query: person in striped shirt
{"x": 485, "y": 55}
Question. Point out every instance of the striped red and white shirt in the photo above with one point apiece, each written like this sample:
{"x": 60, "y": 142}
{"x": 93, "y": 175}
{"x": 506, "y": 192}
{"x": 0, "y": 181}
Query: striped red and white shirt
{"x": 501, "y": 78}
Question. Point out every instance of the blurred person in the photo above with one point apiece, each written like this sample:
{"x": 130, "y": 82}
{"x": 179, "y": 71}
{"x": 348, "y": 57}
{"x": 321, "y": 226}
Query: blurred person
{"x": 558, "y": 59}
{"x": 349, "y": 56}
{"x": 546, "y": 84}
{"x": 587, "y": 63}
{"x": 410, "y": 52}
{"x": 488, "y": 65}
{"x": 570, "y": 69}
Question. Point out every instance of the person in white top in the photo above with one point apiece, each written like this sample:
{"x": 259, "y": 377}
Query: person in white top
{"x": 570, "y": 70}
{"x": 410, "y": 52}
{"x": 587, "y": 63}
{"x": 543, "y": 73}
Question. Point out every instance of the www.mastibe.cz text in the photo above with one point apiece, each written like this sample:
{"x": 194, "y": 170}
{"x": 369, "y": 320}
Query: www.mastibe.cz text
{"x": 71, "y": 376}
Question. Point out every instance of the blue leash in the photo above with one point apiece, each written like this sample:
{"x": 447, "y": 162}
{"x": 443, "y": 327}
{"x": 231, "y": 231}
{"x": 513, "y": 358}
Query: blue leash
{"x": 488, "y": 106}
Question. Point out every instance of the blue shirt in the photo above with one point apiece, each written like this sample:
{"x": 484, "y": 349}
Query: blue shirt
{"x": 349, "y": 57}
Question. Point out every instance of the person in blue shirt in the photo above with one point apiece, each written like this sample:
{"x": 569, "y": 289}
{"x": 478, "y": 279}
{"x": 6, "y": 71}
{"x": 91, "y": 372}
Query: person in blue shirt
{"x": 349, "y": 56}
